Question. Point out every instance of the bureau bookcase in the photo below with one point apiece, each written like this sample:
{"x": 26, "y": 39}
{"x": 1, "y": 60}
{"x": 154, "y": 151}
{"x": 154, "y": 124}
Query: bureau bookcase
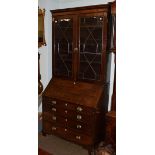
{"x": 74, "y": 102}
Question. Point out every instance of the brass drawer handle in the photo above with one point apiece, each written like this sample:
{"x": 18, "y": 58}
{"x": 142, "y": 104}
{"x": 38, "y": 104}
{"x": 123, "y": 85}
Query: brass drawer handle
{"x": 54, "y": 118}
{"x": 75, "y": 49}
{"x": 66, "y": 111}
{"x": 66, "y": 104}
{"x": 79, "y": 117}
{"x": 65, "y": 129}
{"x": 54, "y": 102}
{"x": 78, "y": 137}
{"x": 54, "y": 128}
{"x": 54, "y": 109}
{"x": 79, "y": 109}
{"x": 66, "y": 120}
{"x": 79, "y": 126}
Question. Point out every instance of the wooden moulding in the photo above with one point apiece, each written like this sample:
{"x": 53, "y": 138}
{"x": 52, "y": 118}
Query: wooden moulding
{"x": 80, "y": 10}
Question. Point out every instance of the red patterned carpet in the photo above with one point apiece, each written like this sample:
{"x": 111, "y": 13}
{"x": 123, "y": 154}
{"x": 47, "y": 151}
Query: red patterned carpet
{"x": 42, "y": 152}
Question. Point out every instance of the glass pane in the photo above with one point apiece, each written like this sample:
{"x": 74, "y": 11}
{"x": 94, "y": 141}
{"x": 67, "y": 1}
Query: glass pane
{"x": 90, "y": 47}
{"x": 63, "y": 47}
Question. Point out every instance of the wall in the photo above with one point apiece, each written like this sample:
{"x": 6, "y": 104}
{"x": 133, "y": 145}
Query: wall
{"x": 78, "y": 3}
{"x": 46, "y": 51}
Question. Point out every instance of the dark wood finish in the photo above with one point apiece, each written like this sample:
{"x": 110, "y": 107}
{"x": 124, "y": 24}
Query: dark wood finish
{"x": 111, "y": 116}
{"x": 80, "y": 10}
{"x": 81, "y": 93}
{"x": 88, "y": 59}
{"x": 111, "y": 128}
{"x": 113, "y": 7}
{"x": 112, "y": 28}
{"x": 73, "y": 111}
{"x": 74, "y": 106}
{"x": 40, "y": 86}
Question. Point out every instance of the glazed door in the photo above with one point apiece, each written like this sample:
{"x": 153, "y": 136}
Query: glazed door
{"x": 63, "y": 47}
{"x": 92, "y": 41}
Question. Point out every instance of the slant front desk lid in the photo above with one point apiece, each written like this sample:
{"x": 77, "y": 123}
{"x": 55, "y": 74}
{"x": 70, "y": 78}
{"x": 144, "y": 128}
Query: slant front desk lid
{"x": 82, "y": 93}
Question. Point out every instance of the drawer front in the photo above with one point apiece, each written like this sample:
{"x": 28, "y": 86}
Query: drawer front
{"x": 71, "y": 115}
{"x": 47, "y": 116}
{"x": 75, "y": 125}
{"x": 71, "y": 135}
{"x": 70, "y": 121}
{"x": 70, "y": 106}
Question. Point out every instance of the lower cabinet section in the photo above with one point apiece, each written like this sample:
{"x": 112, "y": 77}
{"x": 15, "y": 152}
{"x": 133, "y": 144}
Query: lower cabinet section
{"x": 75, "y": 113}
{"x": 67, "y": 134}
{"x": 74, "y": 125}
{"x": 83, "y": 131}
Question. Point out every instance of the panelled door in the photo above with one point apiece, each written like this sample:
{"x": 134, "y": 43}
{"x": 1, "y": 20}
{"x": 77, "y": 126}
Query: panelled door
{"x": 80, "y": 42}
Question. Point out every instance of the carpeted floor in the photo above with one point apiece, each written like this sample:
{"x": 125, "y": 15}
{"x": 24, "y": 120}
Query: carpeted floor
{"x": 58, "y": 146}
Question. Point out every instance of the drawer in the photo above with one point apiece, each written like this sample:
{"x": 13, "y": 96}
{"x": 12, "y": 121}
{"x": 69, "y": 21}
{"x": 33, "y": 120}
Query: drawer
{"x": 71, "y": 135}
{"x": 50, "y": 101}
{"x": 75, "y": 125}
{"x": 71, "y": 115}
{"x": 70, "y": 106}
{"x": 46, "y": 116}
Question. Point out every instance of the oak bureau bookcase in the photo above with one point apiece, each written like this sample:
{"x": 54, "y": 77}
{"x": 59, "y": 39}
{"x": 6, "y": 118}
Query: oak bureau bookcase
{"x": 74, "y": 102}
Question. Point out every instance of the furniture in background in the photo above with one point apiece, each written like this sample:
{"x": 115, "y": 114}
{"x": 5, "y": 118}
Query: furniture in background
{"x": 40, "y": 89}
{"x": 75, "y": 100}
{"x": 111, "y": 129}
{"x": 111, "y": 116}
{"x": 40, "y": 86}
{"x": 41, "y": 42}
